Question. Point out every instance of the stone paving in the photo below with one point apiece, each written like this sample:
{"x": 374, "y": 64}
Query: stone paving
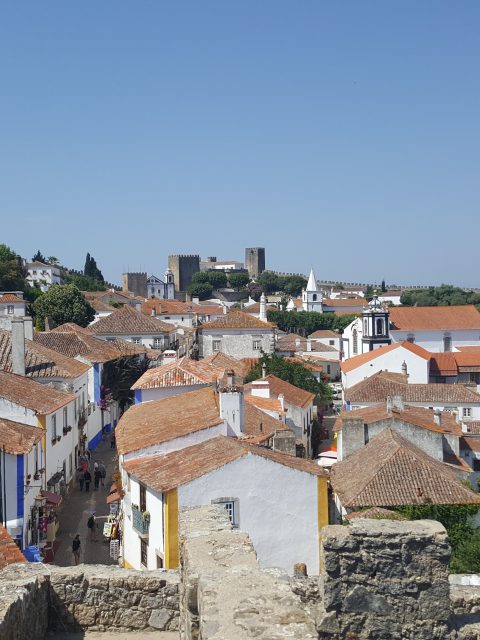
{"x": 77, "y": 507}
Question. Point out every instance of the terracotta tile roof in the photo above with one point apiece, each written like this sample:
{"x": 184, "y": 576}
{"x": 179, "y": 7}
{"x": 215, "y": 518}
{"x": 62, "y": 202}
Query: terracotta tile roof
{"x": 257, "y": 422}
{"x": 390, "y": 471}
{"x": 266, "y": 404}
{"x": 166, "y": 307}
{"x": 17, "y": 438}
{"x": 237, "y": 320}
{"x": 345, "y": 302}
{"x": 224, "y": 362}
{"x": 457, "y": 463}
{"x": 375, "y": 513}
{"x": 40, "y": 362}
{"x": 9, "y": 552}
{"x": 443, "y": 364}
{"x": 255, "y": 308}
{"x": 309, "y": 364}
{"x": 72, "y": 340}
{"x": 468, "y": 360}
{"x": 356, "y": 361}
{"x": 434, "y": 318}
{"x": 472, "y": 426}
{"x": 163, "y": 473}
{"x": 291, "y": 341}
{"x": 469, "y": 443}
{"x": 38, "y": 264}
{"x": 293, "y": 395}
{"x": 418, "y": 416}
{"x": 127, "y": 321}
{"x": 151, "y": 423}
{"x": 25, "y": 392}
{"x": 324, "y": 333}
{"x": 377, "y": 388}
{"x": 11, "y": 297}
{"x": 100, "y": 306}
{"x": 179, "y": 373}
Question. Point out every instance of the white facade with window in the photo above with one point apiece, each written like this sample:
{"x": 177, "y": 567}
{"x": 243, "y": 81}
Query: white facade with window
{"x": 239, "y": 343}
{"x": 43, "y": 275}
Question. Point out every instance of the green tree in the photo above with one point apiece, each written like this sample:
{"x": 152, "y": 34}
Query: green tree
{"x": 201, "y": 290}
{"x": 238, "y": 281}
{"x": 295, "y": 373}
{"x": 306, "y": 322}
{"x": 63, "y": 303}
{"x": 39, "y": 257}
{"x": 384, "y": 288}
{"x": 217, "y": 279}
{"x": 52, "y": 260}
{"x": 369, "y": 292}
{"x": 293, "y": 285}
{"x": 90, "y": 269}
{"x": 269, "y": 281}
{"x": 200, "y": 277}
{"x": 85, "y": 283}
{"x": 443, "y": 295}
{"x": 118, "y": 377}
{"x": 7, "y": 254}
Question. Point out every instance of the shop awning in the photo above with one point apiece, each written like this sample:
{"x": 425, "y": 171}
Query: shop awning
{"x": 113, "y": 497}
{"x": 52, "y": 498}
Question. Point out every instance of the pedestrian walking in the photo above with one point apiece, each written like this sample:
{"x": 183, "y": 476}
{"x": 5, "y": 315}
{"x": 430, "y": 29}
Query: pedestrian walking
{"x": 80, "y": 478}
{"x": 92, "y": 527}
{"x": 103, "y": 473}
{"x": 112, "y": 440}
{"x": 87, "y": 476}
{"x": 76, "y": 548}
{"x": 96, "y": 477}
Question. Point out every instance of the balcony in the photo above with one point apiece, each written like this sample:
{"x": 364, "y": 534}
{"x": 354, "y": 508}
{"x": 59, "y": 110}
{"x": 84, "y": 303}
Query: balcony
{"x": 140, "y": 520}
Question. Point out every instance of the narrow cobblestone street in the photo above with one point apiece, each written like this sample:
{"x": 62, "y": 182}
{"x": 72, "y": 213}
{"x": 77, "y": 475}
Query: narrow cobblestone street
{"x": 77, "y": 508}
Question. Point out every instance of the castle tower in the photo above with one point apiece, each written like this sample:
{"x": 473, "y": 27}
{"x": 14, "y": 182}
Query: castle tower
{"x": 376, "y": 325}
{"x": 135, "y": 283}
{"x": 183, "y": 267}
{"x": 255, "y": 261}
{"x": 169, "y": 282}
{"x": 312, "y": 297}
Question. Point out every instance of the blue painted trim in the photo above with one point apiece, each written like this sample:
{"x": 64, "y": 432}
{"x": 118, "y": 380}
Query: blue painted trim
{"x": 96, "y": 383}
{"x": 20, "y": 481}
{"x": 138, "y": 396}
{"x": 95, "y": 441}
{"x": 108, "y": 428}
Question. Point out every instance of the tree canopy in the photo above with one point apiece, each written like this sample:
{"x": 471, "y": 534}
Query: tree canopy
{"x": 445, "y": 295}
{"x": 90, "y": 269}
{"x": 272, "y": 283}
{"x": 201, "y": 290}
{"x": 295, "y": 373}
{"x": 216, "y": 278}
{"x": 85, "y": 283}
{"x": 39, "y": 257}
{"x": 12, "y": 276}
{"x": 6, "y": 253}
{"x": 238, "y": 280}
{"x": 63, "y": 303}
{"x": 306, "y": 322}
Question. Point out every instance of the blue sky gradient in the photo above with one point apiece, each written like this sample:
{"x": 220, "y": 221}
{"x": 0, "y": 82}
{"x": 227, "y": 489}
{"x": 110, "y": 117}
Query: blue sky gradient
{"x": 343, "y": 136}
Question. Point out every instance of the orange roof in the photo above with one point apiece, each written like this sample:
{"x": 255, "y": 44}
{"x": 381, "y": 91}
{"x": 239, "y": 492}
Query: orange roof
{"x": 151, "y": 423}
{"x": 345, "y": 302}
{"x": 443, "y": 364}
{"x": 266, "y": 404}
{"x": 166, "y": 472}
{"x": 434, "y": 318}
{"x": 9, "y": 552}
{"x": 237, "y": 320}
{"x": 356, "y": 361}
{"x": 18, "y": 438}
{"x": 179, "y": 373}
{"x": 259, "y": 423}
{"x": 165, "y": 307}
{"x": 33, "y": 395}
{"x": 127, "y": 321}
{"x": 11, "y": 297}
{"x": 224, "y": 362}
{"x": 325, "y": 333}
{"x": 293, "y": 395}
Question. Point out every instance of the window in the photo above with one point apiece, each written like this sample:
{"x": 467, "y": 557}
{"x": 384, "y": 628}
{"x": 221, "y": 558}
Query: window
{"x": 143, "y": 552}
{"x": 136, "y": 340}
{"x": 467, "y": 412}
{"x": 365, "y": 326}
{"x": 232, "y": 507}
{"x": 366, "y": 437}
{"x": 331, "y": 342}
{"x": 10, "y": 308}
{"x": 65, "y": 417}
{"x": 143, "y": 498}
{"x": 314, "y": 297}
{"x": 447, "y": 343}
{"x": 157, "y": 343}
{"x": 257, "y": 345}
{"x": 328, "y": 369}
{"x": 54, "y": 426}
{"x": 476, "y": 464}
{"x": 355, "y": 341}
{"x": 216, "y": 345}
{"x": 379, "y": 326}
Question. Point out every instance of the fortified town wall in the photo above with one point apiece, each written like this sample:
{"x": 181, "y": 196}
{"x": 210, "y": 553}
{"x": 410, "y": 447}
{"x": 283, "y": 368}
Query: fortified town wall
{"x": 380, "y": 580}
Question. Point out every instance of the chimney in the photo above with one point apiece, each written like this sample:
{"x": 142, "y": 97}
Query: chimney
{"x": 397, "y": 403}
{"x": 230, "y": 394}
{"x": 260, "y": 388}
{"x": 437, "y": 417}
{"x": 404, "y": 368}
{"x": 264, "y": 370}
{"x": 263, "y": 308}
{"x": 153, "y": 312}
{"x": 225, "y": 309}
{"x": 18, "y": 346}
{"x": 389, "y": 404}
{"x": 196, "y": 300}
{"x": 281, "y": 399}
{"x": 309, "y": 345}
{"x": 28, "y": 327}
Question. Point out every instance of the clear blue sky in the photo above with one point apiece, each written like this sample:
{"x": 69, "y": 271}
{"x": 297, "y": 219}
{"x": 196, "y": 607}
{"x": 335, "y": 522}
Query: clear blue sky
{"x": 339, "y": 135}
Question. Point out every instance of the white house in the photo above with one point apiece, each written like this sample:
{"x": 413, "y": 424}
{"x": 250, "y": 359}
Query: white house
{"x": 43, "y": 275}
{"x": 162, "y": 289}
{"x": 237, "y": 334}
{"x": 258, "y": 487}
{"x": 132, "y": 325}
{"x": 12, "y": 303}
{"x": 39, "y": 433}
{"x": 399, "y": 357}
{"x": 391, "y": 297}
{"x": 327, "y": 337}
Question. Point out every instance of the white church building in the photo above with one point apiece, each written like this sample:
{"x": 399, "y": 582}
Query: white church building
{"x": 162, "y": 289}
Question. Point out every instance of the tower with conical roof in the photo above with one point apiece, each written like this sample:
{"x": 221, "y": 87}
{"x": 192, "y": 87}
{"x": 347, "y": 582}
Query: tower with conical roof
{"x": 312, "y": 297}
